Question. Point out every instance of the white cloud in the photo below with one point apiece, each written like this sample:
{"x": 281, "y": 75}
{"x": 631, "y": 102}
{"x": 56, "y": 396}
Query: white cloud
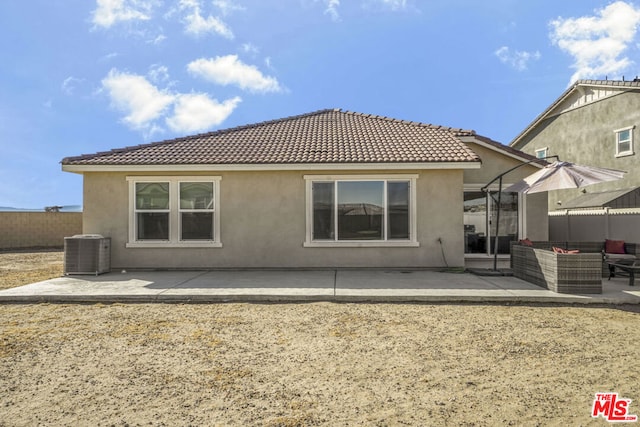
{"x": 197, "y": 112}
{"x": 229, "y": 70}
{"x": 69, "y": 85}
{"x": 158, "y": 73}
{"x": 110, "y": 12}
{"x": 109, "y": 56}
{"x": 142, "y": 102}
{"x": 144, "y": 105}
{"x": 158, "y": 39}
{"x": 597, "y": 43}
{"x": 395, "y": 4}
{"x": 227, "y": 6}
{"x": 332, "y": 9}
{"x": 197, "y": 25}
{"x": 519, "y": 60}
{"x": 250, "y": 48}
{"x": 333, "y": 6}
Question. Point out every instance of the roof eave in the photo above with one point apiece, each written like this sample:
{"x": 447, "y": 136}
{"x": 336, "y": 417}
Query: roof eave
{"x": 271, "y": 167}
{"x": 505, "y": 150}
{"x": 543, "y": 115}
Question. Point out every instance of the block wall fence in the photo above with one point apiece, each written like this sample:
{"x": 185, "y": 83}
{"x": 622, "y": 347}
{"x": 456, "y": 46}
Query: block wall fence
{"x": 20, "y": 230}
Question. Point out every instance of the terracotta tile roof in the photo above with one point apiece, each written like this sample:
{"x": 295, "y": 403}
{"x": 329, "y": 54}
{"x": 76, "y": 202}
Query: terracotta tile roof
{"x": 510, "y": 150}
{"x": 326, "y": 136}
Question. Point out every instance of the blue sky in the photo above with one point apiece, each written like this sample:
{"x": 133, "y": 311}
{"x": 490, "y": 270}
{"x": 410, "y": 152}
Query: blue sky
{"x": 80, "y": 76}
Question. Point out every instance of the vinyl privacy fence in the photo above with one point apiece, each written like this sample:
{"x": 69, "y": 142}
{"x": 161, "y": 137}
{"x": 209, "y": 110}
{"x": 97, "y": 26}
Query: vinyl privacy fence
{"x": 595, "y": 225}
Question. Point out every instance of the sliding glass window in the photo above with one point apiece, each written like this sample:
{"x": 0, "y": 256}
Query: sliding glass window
{"x": 361, "y": 210}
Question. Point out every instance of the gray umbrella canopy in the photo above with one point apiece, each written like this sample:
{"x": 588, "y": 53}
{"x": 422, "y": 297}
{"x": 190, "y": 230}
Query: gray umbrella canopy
{"x": 561, "y": 175}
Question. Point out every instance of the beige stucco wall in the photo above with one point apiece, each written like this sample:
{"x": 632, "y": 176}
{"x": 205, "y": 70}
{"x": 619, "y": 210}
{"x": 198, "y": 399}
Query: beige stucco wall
{"x": 262, "y": 222}
{"x": 493, "y": 164}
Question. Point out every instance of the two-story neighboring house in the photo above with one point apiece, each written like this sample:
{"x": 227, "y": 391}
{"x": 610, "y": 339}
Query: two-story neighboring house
{"x": 595, "y": 123}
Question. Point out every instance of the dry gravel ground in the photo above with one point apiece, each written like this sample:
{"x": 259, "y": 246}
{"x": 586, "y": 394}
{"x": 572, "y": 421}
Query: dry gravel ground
{"x": 24, "y": 267}
{"x": 313, "y": 364}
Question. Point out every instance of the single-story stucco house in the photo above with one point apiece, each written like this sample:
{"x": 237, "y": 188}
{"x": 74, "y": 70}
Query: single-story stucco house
{"x": 326, "y": 189}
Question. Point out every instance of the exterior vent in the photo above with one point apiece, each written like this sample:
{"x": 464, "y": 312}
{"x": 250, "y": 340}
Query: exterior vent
{"x": 87, "y": 254}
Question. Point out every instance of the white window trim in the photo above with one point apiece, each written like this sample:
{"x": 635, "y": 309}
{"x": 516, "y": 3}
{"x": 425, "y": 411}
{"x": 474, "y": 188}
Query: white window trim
{"x": 544, "y": 151}
{"x": 411, "y": 242}
{"x": 174, "y": 213}
{"x": 629, "y": 152}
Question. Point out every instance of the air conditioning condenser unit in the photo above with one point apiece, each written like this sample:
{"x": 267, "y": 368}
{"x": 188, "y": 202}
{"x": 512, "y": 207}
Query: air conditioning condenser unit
{"x": 87, "y": 254}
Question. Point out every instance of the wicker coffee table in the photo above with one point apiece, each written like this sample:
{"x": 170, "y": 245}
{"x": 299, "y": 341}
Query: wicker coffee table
{"x": 630, "y": 266}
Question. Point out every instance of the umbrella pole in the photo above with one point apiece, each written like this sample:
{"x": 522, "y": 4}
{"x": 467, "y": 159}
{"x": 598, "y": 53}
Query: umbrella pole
{"x": 496, "y": 237}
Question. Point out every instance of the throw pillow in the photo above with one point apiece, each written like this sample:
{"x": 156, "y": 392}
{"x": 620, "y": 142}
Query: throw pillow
{"x": 526, "y": 242}
{"x": 614, "y": 246}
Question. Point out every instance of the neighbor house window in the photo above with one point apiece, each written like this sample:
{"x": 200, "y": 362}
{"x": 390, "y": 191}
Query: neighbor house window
{"x": 360, "y": 211}
{"x": 624, "y": 141}
{"x": 541, "y": 153}
{"x": 181, "y": 211}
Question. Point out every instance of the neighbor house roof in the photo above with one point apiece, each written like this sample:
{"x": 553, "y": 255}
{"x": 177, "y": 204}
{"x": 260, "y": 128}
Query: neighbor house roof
{"x": 615, "y": 85}
{"x": 624, "y": 198}
{"x": 327, "y": 136}
{"x": 506, "y": 150}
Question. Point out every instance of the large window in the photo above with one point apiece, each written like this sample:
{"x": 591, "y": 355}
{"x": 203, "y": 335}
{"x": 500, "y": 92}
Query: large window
{"x": 360, "y": 210}
{"x": 174, "y": 211}
{"x": 624, "y": 141}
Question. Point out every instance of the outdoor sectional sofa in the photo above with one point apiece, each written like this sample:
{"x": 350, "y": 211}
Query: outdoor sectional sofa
{"x": 574, "y": 273}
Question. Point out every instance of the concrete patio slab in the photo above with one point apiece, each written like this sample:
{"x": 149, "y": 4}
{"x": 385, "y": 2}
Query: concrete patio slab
{"x": 370, "y": 285}
{"x": 238, "y": 285}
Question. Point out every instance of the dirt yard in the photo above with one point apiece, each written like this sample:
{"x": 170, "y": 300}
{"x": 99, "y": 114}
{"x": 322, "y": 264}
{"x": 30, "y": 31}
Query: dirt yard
{"x": 22, "y": 267}
{"x": 313, "y": 364}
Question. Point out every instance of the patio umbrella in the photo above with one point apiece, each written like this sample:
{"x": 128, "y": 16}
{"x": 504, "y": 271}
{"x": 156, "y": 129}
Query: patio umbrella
{"x": 558, "y": 175}
{"x": 562, "y": 175}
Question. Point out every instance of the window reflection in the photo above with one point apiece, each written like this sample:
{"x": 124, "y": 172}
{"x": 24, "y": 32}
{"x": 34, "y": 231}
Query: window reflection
{"x": 475, "y": 222}
{"x": 152, "y": 195}
{"x": 196, "y": 195}
{"x": 398, "y": 206}
{"x": 323, "y": 211}
{"x": 480, "y": 222}
{"x": 360, "y": 210}
{"x": 153, "y": 226}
